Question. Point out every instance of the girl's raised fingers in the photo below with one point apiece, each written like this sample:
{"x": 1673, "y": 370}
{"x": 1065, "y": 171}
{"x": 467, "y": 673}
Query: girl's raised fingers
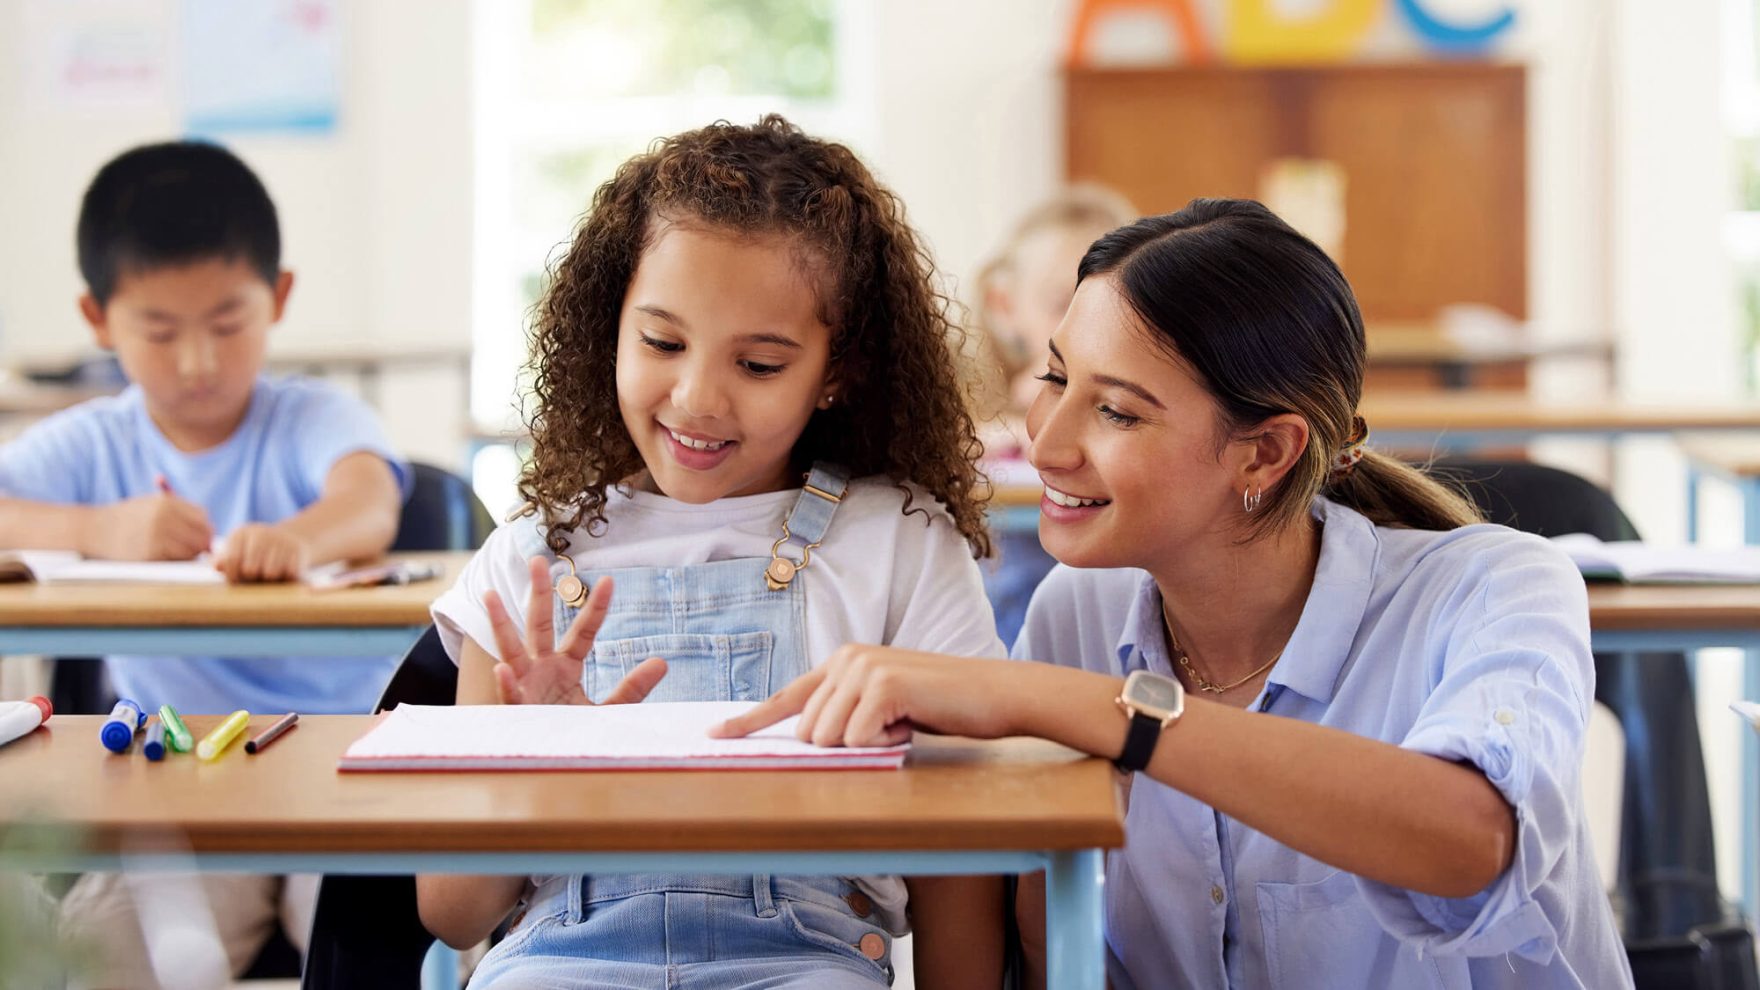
{"x": 507, "y": 685}
{"x": 637, "y": 683}
{"x": 540, "y": 626}
{"x": 513, "y": 653}
{"x": 578, "y": 640}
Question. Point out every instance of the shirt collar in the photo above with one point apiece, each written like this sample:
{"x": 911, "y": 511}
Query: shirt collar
{"x": 1317, "y": 650}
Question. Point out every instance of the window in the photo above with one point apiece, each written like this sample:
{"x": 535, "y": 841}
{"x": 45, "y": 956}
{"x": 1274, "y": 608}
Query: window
{"x": 1741, "y": 60}
{"x": 569, "y": 89}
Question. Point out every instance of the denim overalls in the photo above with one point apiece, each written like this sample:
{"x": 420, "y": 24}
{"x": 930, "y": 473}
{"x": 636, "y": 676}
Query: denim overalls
{"x": 727, "y": 635}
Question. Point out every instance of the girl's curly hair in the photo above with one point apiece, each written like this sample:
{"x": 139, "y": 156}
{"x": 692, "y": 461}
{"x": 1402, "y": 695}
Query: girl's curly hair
{"x": 900, "y": 409}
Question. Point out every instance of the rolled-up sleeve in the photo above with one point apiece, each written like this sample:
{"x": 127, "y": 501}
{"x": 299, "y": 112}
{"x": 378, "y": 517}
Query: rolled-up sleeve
{"x": 1512, "y": 687}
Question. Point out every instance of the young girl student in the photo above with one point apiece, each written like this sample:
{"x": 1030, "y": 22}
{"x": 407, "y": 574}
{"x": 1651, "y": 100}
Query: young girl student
{"x": 1354, "y": 715}
{"x": 749, "y": 448}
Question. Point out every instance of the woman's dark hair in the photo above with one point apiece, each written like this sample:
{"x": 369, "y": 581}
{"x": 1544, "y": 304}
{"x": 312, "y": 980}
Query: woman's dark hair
{"x": 900, "y": 408}
{"x": 1270, "y": 326}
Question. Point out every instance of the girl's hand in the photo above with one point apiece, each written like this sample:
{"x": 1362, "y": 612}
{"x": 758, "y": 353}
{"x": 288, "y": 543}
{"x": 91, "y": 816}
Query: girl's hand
{"x": 541, "y": 671}
{"x": 876, "y": 696}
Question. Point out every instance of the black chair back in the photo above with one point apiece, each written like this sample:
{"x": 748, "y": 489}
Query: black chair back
{"x": 366, "y": 932}
{"x": 442, "y": 513}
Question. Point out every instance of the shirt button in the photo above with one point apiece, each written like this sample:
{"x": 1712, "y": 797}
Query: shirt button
{"x": 1504, "y": 716}
{"x": 859, "y": 903}
{"x": 1216, "y": 893}
{"x": 872, "y": 946}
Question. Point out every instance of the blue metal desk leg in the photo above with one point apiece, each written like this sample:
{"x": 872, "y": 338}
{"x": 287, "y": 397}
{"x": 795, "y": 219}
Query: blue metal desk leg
{"x": 1750, "y": 764}
{"x": 1075, "y": 954}
{"x": 440, "y": 968}
{"x": 1693, "y": 486}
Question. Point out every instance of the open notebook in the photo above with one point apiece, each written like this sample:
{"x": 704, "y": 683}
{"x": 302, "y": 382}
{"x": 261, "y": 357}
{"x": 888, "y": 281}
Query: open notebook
{"x": 647, "y": 736}
{"x": 1651, "y": 563}
{"x": 67, "y": 567}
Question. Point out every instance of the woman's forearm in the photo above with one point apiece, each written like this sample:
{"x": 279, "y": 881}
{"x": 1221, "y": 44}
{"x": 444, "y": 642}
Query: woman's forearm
{"x": 1367, "y": 807}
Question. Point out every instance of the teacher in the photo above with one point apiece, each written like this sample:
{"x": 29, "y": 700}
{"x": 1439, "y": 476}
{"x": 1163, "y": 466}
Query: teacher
{"x": 1353, "y": 714}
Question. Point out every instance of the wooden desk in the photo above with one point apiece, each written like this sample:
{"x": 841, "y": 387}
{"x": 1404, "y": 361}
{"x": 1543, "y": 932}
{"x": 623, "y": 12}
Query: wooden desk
{"x": 221, "y": 620}
{"x": 25, "y": 398}
{"x": 1421, "y": 354}
{"x": 959, "y": 806}
{"x": 1446, "y": 419}
{"x": 1733, "y": 460}
{"x": 1673, "y": 616}
{"x": 1627, "y": 618}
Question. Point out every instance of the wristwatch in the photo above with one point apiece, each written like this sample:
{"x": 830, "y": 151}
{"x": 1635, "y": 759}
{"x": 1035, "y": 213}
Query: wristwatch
{"x": 1152, "y": 702}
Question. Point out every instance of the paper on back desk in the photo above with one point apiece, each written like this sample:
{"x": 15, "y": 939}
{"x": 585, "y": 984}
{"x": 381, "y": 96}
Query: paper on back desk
{"x": 647, "y": 736}
{"x": 64, "y": 567}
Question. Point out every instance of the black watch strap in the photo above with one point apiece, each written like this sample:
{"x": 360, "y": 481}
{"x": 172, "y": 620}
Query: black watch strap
{"x": 1139, "y": 743}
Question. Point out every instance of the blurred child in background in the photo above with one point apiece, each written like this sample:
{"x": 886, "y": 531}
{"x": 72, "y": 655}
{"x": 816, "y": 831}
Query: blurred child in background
{"x": 1023, "y": 291}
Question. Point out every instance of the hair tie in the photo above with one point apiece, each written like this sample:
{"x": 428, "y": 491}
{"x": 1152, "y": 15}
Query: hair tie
{"x": 1352, "y": 451}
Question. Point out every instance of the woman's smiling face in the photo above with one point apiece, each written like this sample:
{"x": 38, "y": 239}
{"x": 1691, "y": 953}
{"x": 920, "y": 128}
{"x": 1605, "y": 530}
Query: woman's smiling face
{"x": 1126, "y": 441}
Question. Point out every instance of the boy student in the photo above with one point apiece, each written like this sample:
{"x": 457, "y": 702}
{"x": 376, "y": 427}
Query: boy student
{"x": 181, "y": 254}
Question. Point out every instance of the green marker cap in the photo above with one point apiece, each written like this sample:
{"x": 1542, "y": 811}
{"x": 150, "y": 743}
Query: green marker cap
{"x": 175, "y": 732}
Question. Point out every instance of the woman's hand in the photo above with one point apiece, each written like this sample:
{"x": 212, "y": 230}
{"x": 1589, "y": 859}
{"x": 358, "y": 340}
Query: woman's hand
{"x": 876, "y": 696}
{"x": 541, "y": 671}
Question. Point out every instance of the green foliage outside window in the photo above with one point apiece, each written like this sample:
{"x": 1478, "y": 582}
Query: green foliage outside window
{"x": 634, "y": 48}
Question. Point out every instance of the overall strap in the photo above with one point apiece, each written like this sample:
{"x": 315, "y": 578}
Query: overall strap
{"x": 807, "y": 522}
{"x": 811, "y": 516}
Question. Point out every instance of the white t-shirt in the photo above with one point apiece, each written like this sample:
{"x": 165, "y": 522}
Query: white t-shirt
{"x": 880, "y": 576}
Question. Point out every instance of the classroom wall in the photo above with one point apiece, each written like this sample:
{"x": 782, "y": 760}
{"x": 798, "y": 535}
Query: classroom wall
{"x": 376, "y": 218}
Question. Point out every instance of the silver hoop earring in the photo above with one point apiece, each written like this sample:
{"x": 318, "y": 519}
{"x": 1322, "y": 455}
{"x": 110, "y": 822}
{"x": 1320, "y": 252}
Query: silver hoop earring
{"x": 1251, "y": 502}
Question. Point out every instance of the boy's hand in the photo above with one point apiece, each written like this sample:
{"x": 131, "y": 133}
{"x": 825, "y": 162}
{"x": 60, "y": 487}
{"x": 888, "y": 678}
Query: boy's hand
{"x": 259, "y": 552}
{"x": 541, "y": 671}
{"x": 150, "y": 527}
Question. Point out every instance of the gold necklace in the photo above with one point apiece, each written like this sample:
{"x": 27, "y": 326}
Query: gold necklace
{"x": 1199, "y": 681}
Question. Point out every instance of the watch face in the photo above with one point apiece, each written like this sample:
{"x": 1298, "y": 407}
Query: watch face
{"x": 1153, "y": 693}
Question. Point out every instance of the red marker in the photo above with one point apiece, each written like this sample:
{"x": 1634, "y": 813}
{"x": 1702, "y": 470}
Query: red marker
{"x": 19, "y": 717}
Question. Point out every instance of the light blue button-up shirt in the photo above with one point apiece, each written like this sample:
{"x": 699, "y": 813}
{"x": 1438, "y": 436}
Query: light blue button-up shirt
{"x": 1470, "y": 645}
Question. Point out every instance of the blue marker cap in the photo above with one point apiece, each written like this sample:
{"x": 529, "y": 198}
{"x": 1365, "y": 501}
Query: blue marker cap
{"x": 119, "y": 729}
{"x": 154, "y": 746}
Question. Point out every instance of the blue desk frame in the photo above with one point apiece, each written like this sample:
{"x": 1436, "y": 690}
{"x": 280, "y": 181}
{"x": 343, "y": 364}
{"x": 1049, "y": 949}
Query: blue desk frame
{"x": 210, "y": 641}
{"x": 1075, "y": 950}
{"x": 1688, "y": 639}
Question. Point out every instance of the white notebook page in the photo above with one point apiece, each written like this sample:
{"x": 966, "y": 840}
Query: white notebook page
{"x": 655, "y": 735}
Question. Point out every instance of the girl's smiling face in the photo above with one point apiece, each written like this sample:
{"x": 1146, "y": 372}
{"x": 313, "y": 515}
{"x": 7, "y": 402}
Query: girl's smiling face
{"x": 721, "y": 361}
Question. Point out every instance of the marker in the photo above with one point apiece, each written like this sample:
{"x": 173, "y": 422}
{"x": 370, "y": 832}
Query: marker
{"x": 119, "y": 729}
{"x": 18, "y": 718}
{"x": 214, "y": 743}
{"x": 272, "y": 733}
{"x": 154, "y": 746}
{"x": 176, "y": 735}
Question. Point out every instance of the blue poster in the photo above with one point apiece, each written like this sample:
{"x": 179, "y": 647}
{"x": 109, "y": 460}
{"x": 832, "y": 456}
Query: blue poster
{"x": 261, "y": 65}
